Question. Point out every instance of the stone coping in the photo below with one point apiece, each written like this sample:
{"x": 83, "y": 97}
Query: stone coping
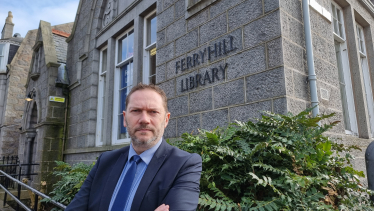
{"x": 94, "y": 149}
{"x": 102, "y": 148}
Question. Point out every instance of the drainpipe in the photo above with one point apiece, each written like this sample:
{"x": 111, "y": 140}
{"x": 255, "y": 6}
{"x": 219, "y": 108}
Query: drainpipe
{"x": 312, "y": 78}
{"x": 65, "y": 127}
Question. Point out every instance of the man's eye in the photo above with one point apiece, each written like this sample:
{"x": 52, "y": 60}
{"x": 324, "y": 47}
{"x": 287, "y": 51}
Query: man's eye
{"x": 136, "y": 110}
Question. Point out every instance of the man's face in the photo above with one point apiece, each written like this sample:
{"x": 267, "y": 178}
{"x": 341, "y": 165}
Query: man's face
{"x": 145, "y": 118}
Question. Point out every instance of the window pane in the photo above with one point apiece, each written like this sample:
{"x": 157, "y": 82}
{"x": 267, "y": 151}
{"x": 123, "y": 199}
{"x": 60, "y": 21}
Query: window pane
{"x": 122, "y": 49}
{"x": 336, "y": 29}
{"x": 333, "y": 11}
{"x": 125, "y": 86}
{"x": 2, "y": 49}
{"x": 341, "y": 30}
{"x": 130, "y": 44}
{"x": 151, "y": 30}
{"x": 121, "y": 129}
{"x": 338, "y": 15}
{"x": 102, "y": 83}
{"x": 152, "y": 69}
{"x": 1, "y": 54}
{"x": 38, "y": 60}
{"x": 343, "y": 93}
{"x": 124, "y": 75}
{"x": 122, "y": 97}
{"x": 104, "y": 61}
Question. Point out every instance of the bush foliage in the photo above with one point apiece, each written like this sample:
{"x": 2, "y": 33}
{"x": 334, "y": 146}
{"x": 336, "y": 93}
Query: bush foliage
{"x": 71, "y": 180}
{"x": 281, "y": 162}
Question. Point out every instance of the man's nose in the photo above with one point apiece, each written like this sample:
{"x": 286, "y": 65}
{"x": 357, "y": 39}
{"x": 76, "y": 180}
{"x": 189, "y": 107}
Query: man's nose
{"x": 144, "y": 118}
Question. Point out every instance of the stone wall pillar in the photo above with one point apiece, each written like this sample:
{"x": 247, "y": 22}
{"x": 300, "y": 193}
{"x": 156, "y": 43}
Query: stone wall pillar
{"x": 30, "y": 136}
{"x": 2, "y": 95}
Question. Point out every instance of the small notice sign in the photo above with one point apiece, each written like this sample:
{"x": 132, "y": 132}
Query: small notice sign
{"x": 56, "y": 99}
{"x": 153, "y": 52}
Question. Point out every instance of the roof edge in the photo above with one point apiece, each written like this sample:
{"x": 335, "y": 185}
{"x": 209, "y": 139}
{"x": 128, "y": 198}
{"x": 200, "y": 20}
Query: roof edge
{"x": 75, "y": 22}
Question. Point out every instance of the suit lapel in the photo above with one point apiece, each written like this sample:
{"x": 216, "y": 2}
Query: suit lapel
{"x": 152, "y": 169}
{"x": 112, "y": 180}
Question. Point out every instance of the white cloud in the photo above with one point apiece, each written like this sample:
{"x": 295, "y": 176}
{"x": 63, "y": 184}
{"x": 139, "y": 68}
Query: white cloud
{"x": 28, "y": 13}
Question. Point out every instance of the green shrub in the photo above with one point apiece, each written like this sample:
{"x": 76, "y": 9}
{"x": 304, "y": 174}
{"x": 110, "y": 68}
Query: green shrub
{"x": 71, "y": 180}
{"x": 282, "y": 162}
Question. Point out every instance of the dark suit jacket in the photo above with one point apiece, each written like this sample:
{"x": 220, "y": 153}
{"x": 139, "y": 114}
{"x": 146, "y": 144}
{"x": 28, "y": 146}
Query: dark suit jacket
{"x": 172, "y": 177}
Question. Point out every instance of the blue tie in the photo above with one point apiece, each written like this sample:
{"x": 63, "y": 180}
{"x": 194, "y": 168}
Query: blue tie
{"x": 124, "y": 191}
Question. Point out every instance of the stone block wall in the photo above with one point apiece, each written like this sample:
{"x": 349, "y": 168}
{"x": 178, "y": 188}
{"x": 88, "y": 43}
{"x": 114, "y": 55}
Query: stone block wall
{"x": 244, "y": 77}
{"x": 14, "y": 89}
{"x": 83, "y": 69}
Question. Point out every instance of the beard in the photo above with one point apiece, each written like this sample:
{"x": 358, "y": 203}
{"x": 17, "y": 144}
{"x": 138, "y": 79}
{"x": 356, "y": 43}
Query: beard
{"x": 142, "y": 142}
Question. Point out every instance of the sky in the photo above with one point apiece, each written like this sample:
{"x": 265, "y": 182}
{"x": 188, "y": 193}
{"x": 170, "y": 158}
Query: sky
{"x": 28, "y": 13}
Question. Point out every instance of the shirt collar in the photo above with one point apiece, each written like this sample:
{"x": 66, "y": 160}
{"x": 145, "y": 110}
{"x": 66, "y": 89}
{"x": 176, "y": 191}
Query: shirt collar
{"x": 147, "y": 155}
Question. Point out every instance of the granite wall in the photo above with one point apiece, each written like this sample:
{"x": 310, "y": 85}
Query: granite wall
{"x": 217, "y": 61}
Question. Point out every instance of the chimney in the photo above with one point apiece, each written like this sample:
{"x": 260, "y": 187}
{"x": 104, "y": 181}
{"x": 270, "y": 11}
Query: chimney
{"x": 8, "y": 27}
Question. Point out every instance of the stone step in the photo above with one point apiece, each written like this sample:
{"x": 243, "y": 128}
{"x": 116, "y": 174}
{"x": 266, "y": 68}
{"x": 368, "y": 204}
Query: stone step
{"x": 24, "y": 195}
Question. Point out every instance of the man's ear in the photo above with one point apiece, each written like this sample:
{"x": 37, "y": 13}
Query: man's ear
{"x": 167, "y": 117}
{"x": 124, "y": 121}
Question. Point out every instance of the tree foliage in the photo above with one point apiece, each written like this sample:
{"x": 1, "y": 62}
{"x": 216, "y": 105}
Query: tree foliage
{"x": 281, "y": 162}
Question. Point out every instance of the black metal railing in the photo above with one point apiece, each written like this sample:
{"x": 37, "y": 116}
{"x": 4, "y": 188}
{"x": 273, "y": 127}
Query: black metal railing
{"x": 17, "y": 198}
{"x": 8, "y": 164}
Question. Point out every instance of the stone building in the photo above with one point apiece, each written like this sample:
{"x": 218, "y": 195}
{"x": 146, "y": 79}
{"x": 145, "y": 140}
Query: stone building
{"x": 14, "y": 57}
{"x": 42, "y": 133}
{"x": 218, "y": 61}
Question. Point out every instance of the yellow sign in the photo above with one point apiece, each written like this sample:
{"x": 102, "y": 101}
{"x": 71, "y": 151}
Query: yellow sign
{"x": 153, "y": 52}
{"x": 56, "y": 99}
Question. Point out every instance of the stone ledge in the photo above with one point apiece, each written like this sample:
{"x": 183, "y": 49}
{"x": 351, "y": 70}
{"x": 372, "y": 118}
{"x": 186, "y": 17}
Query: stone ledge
{"x": 74, "y": 85}
{"x": 94, "y": 149}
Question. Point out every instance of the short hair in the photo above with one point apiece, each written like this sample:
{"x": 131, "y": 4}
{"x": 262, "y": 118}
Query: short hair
{"x": 141, "y": 86}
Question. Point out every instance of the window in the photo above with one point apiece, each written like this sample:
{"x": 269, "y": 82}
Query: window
{"x": 101, "y": 97}
{"x": 37, "y": 60}
{"x": 366, "y": 75}
{"x": 345, "y": 81}
{"x": 149, "y": 61}
{"x": 337, "y": 17}
{"x": 360, "y": 40}
{"x": 4, "y": 49}
{"x": 122, "y": 84}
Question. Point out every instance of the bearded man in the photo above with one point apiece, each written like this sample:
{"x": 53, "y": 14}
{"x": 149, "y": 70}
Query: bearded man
{"x": 147, "y": 175}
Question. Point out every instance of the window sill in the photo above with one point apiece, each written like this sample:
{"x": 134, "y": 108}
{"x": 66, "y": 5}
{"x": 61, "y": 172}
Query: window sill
{"x": 338, "y": 38}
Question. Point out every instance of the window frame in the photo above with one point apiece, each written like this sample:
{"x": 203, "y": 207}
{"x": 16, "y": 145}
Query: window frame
{"x": 4, "y": 57}
{"x": 361, "y": 40}
{"x": 366, "y": 75}
{"x": 117, "y": 76}
{"x": 345, "y": 76}
{"x": 36, "y": 64}
{"x": 342, "y": 29}
{"x": 100, "y": 122}
{"x": 147, "y": 49}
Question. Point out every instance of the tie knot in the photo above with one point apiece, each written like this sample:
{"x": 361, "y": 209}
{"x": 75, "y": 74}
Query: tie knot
{"x": 137, "y": 159}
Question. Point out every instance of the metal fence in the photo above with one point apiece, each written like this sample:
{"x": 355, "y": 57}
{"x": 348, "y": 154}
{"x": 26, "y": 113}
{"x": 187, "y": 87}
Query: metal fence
{"x": 8, "y": 164}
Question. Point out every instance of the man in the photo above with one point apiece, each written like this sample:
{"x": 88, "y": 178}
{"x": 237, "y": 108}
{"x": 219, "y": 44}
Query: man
{"x": 147, "y": 175}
